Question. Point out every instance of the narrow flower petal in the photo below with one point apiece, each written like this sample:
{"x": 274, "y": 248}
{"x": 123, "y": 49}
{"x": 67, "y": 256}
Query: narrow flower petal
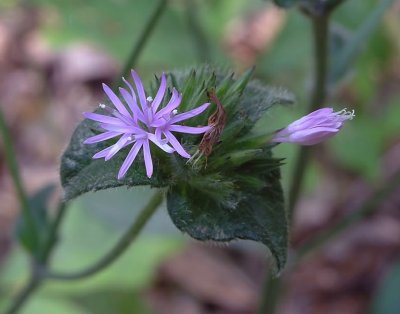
{"x": 160, "y": 94}
{"x": 103, "y": 153}
{"x": 323, "y": 112}
{"x": 101, "y": 118}
{"x": 121, "y": 128}
{"x": 148, "y": 162}
{"x": 165, "y": 147}
{"x": 312, "y": 131}
{"x": 131, "y": 101}
{"x": 140, "y": 89}
{"x": 175, "y": 144}
{"x": 115, "y": 100}
{"x": 173, "y": 103}
{"x": 189, "y": 129}
{"x": 158, "y": 135}
{"x": 189, "y": 114}
{"x": 101, "y": 137}
{"x": 133, "y": 93}
{"x": 129, "y": 159}
{"x": 157, "y": 123}
{"x": 118, "y": 146}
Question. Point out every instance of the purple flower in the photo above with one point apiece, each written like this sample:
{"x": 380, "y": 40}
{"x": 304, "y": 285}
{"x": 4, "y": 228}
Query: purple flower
{"x": 142, "y": 124}
{"x": 314, "y": 128}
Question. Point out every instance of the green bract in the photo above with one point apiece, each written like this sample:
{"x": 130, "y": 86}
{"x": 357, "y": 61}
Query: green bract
{"x": 235, "y": 193}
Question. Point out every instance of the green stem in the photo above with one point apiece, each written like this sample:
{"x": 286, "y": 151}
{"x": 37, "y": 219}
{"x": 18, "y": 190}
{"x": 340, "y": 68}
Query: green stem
{"x": 53, "y": 235}
{"x": 321, "y": 36}
{"x": 141, "y": 42}
{"x": 333, "y": 4}
{"x": 39, "y": 273}
{"x": 271, "y": 293}
{"x": 367, "y": 209}
{"x": 36, "y": 279}
{"x": 15, "y": 175}
{"x": 200, "y": 39}
{"x": 23, "y": 296}
{"x": 320, "y": 25}
{"x": 119, "y": 248}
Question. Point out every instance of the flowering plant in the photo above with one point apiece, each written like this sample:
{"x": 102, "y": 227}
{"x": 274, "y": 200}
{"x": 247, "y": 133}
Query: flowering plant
{"x": 231, "y": 191}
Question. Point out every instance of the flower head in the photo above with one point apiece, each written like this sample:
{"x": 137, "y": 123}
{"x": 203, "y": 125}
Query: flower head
{"x": 137, "y": 126}
{"x": 315, "y": 127}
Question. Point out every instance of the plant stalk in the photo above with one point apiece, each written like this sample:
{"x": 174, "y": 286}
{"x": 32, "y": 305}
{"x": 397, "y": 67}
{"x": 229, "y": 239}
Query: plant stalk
{"x": 201, "y": 43}
{"x": 333, "y": 4}
{"x": 53, "y": 235}
{"x": 39, "y": 271}
{"x": 321, "y": 36}
{"x": 23, "y": 296}
{"x": 141, "y": 42}
{"x": 320, "y": 25}
{"x": 271, "y": 293}
{"x": 122, "y": 245}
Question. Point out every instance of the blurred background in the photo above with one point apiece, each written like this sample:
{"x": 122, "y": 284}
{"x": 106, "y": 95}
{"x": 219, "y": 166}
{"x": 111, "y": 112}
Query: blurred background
{"x": 54, "y": 55}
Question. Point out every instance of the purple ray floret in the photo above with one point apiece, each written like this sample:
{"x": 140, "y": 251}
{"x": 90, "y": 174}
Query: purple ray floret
{"x": 314, "y": 128}
{"x": 142, "y": 121}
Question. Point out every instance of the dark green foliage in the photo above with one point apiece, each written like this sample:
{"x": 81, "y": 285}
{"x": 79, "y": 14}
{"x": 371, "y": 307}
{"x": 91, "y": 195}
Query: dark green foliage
{"x": 246, "y": 204}
{"x": 233, "y": 194}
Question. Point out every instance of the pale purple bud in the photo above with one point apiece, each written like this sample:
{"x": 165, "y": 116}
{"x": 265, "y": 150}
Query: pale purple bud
{"x": 314, "y": 128}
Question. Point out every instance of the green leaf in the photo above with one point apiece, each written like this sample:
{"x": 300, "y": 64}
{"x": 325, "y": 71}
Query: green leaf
{"x": 219, "y": 212}
{"x": 236, "y": 193}
{"x": 38, "y": 207}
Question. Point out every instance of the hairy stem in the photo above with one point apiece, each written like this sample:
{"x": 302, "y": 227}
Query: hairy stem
{"x": 320, "y": 30}
{"x": 10, "y": 158}
{"x": 122, "y": 245}
{"x": 141, "y": 42}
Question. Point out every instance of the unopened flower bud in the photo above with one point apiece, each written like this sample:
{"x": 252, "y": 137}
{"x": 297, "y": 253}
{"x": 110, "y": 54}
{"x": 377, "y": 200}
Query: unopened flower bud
{"x": 314, "y": 127}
